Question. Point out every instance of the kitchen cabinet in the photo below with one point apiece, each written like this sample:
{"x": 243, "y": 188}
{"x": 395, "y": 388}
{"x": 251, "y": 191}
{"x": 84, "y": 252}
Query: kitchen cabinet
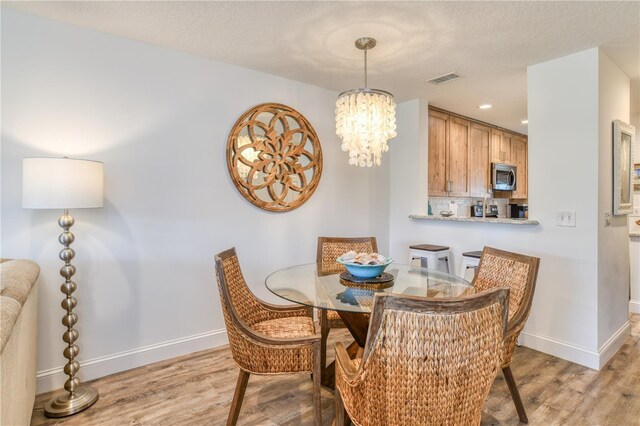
{"x": 479, "y": 164}
{"x": 505, "y": 147}
{"x": 501, "y": 142}
{"x": 519, "y": 159}
{"x": 461, "y": 151}
{"x": 495, "y": 148}
{"x": 458, "y": 157}
{"x": 438, "y": 135}
{"x": 448, "y": 155}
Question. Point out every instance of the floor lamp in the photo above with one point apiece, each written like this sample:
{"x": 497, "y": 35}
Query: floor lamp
{"x": 65, "y": 183}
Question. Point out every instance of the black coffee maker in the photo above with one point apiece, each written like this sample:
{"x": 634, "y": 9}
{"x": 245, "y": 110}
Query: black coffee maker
{"x": 476, "y": 210}
{"x": 518, "y": 211}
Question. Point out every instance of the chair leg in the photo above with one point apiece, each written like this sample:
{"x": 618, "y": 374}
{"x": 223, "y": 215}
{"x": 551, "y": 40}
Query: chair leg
{"x": 515, "y": 395}
{"x": 341, "y": 414}
{"x": 238, "y": 396}
{"x": 324, "y": 334}
{"x": 317, "y": 385}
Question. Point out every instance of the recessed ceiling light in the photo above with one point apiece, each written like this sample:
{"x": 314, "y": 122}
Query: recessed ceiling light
{"x": 485, "y": 106}
{"x": 525, "y": 121}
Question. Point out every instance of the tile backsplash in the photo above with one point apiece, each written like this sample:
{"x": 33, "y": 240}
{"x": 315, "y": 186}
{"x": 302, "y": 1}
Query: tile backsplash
{"x": 439, "y": 204}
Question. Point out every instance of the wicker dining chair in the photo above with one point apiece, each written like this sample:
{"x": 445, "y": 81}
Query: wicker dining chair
{"x": 517, "y": 272}
{"x": 265, "y": 339}
{"x": 329, "y": 249}
{"x": 426, "y": 361}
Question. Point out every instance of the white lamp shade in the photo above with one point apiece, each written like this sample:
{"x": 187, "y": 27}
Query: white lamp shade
{"x": 62, "y": 183}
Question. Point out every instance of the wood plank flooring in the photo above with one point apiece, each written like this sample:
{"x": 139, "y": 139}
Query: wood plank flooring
{"x": 197, "y": 389}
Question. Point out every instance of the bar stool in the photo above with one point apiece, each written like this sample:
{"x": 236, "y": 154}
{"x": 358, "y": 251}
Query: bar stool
{"x": 470, "y": 260}
{"x": 430, "y": 256}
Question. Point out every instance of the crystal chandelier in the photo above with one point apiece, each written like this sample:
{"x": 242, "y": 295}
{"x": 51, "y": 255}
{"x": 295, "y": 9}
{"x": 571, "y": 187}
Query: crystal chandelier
{"x": 365, "y": 118}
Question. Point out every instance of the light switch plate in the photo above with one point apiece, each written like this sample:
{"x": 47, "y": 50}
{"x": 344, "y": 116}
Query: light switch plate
{"x": 566, "y": 218}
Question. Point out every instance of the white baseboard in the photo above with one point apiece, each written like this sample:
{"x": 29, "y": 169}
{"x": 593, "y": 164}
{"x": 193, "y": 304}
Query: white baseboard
{"x": 634, "y": 306}
{"x": 54, "y": 378}
{"x": 615, "y": 342}
{"x": 577, "y": 354}
{"x": 561, "y": 349}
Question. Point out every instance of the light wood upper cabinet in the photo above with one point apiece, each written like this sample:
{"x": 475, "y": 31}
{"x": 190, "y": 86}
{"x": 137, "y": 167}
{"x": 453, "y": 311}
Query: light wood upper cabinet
{"x": 458, "y": 157}
{"x": 438, "y": 136}
{"x": 479, "y": 164}
{"x": 448, "y": 155}
{"x": 461, "y": 152}
{"x": 505, "y": 146}
{"x": 501, "y": 146}
{"x": 519, "y": 159}
{"x": 495, "y": 148}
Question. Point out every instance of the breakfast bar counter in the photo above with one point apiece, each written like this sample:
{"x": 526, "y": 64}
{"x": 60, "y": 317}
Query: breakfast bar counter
{"x": 509, "y": 221}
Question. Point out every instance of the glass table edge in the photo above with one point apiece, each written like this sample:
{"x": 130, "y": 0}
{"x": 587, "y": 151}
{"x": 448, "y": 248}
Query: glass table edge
{"x": 310, "y": 304}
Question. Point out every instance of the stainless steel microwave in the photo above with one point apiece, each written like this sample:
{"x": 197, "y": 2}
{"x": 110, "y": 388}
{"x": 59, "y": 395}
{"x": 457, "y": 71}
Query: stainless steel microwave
{"x": 503, "y": 177}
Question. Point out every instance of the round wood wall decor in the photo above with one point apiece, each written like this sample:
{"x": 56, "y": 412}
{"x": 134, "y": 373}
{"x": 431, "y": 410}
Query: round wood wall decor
{"x": 274, "y": 157}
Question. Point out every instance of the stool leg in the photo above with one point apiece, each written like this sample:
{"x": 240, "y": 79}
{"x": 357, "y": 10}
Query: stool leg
{"x": 432, "y": 260}
{"x": 424, "y": 262}
{"x": 473, "y": 272}
{"x": 446, "y": 259}
{"x": 437, "y": 257}
{"x": 474, "y": 265}
{"x": 463, "y": 269}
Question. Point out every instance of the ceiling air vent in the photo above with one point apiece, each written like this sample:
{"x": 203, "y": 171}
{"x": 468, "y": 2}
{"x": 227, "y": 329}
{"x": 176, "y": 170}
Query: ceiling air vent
{"x": 444, "y": 78}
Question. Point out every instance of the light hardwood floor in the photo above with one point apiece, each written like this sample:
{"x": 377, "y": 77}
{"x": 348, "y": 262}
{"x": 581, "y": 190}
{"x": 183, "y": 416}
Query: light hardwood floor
{"x": 196, "y": 390}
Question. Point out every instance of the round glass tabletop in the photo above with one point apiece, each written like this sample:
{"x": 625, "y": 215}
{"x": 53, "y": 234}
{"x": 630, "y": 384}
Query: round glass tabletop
{"x": 303, "y": 284}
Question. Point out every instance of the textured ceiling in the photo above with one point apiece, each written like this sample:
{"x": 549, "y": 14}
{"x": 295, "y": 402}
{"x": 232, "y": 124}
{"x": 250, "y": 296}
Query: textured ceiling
{"x": 489, "y": 43}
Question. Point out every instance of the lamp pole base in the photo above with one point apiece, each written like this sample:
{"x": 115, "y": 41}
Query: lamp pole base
{"x": 66, "y": 405}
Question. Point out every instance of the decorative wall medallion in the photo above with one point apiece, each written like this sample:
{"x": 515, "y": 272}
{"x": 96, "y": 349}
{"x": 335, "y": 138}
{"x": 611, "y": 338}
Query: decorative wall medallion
{"x": 274, "y": 157}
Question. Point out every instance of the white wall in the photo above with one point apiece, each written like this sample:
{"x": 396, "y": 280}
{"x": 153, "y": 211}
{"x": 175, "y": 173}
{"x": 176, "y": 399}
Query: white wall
{"x": 563, "y": 163}
{"x": 563, "y": 114}
{"x": 613, "y": 240}
{"x": 159, "y": 120}
{"x": 379, "y": 200}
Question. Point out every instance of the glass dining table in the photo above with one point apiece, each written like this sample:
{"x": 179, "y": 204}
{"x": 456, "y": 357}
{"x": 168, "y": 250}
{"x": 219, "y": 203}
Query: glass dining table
{"x": 322, "y": 287}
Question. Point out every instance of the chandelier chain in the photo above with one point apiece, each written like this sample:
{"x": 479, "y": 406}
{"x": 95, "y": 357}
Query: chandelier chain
{"x": 366, "y": 84}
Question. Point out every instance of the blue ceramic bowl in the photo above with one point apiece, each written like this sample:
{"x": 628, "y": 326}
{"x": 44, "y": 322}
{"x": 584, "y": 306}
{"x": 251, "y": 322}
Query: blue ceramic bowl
{"x": 365, "y": 271}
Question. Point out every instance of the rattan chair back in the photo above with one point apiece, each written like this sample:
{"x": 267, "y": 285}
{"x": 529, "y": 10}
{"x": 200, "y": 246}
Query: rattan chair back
{"x": 330, "y": 248}
{"x": 238, "y": 302}
{"x": 242, "y": 310}
{"x": 427, "y": 361}
{"x": 264, "y": 338}
{"x": 239, "y": 306}
{"x": 517, "y": 272}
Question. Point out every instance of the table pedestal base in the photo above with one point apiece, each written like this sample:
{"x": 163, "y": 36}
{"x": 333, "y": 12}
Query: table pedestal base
{"x": 358, "y": 326}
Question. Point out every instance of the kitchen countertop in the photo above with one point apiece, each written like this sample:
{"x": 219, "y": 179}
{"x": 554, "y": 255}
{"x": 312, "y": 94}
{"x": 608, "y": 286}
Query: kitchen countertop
{"x": 477, "y": 219}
